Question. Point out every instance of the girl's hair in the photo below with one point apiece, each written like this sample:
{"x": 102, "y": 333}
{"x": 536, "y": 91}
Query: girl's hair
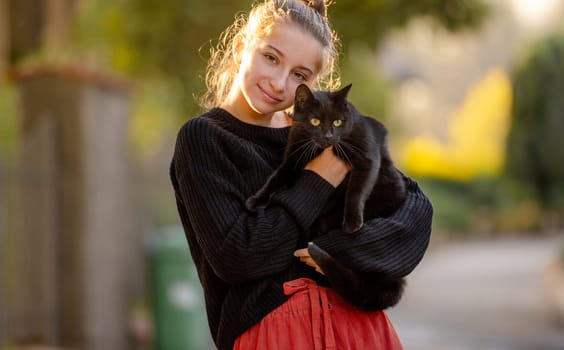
{"x": 311, "y": 15}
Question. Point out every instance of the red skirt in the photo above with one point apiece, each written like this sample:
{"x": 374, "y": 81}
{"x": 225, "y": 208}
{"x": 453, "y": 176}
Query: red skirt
{"x": 317, "y": 318}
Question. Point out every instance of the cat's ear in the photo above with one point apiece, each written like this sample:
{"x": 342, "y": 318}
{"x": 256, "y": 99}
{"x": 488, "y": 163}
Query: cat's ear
{"x": 344, "y": 92}
{"x": 303, "y": 96}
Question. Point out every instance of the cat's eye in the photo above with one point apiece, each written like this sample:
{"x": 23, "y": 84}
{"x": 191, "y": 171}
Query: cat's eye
{"x": 315, "y": 121}
{"x": 337, "y": 123}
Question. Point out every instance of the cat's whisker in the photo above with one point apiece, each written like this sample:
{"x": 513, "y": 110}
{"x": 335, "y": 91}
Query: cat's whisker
{"x": 342, "y": 153}
{"x": 305, "y": 150}
{"x": 352, "y": 148}
{"x": 312, "y": 151}
{"x": 308, "y": 151}
{"x": 305, "y": 144}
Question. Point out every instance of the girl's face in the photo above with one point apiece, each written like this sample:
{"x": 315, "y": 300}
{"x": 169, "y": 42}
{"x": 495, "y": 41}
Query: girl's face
{"x": 271, "y": 68}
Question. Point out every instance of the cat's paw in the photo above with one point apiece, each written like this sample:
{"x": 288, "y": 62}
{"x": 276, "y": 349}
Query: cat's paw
{"x": 352, "y": 225}
{"x": 251, "y": 203}
{"x": 254, "y": 202}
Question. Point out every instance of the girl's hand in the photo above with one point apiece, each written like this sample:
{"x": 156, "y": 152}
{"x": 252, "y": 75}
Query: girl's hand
{"x": 303, "y": 254}
{"x": 330, "y": 167}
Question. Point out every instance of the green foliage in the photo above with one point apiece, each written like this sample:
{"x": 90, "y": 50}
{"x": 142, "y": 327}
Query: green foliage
{"x": 535, "y": 146}
{"x": 370, "y": 91}
{"x": 486, "y": 204}
{"x": 8, "y": 127}
{"x": 171, "y": 38}
{"x": 452, "y": 211}
{"x": 369, "y": 20}
{"x": 165, "y": 40}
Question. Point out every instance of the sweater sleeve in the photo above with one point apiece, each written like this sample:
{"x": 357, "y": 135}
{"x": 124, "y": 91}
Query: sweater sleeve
{"x": 393, "y": 245}
{"x": 210, "y": 192}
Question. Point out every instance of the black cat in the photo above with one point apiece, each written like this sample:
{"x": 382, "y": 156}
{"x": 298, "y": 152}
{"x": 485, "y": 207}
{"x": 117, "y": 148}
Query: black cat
{"x": 322, "y": 119}
{"x": 373, "y": 188}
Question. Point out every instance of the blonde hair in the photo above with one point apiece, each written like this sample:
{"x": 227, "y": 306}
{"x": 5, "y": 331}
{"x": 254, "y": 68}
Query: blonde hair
{"x": 311, "y": 15}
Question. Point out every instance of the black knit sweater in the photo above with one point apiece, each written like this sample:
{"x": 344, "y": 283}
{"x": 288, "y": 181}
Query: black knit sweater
{"x": 243, "y": 258}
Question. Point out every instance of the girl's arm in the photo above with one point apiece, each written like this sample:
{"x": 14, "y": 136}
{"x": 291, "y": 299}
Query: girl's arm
{"x": 393, "y": 245}
{"x": 211, "y": 190}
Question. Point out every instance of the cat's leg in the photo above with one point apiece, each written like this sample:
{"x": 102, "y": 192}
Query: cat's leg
{"x": 360, "y": 186}
{"x": 278, "y": 179}
{"x": 286, "y": 174}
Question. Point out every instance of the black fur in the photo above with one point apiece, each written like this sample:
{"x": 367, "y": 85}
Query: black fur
{"x": 373, "y": 188}
{"x": 367, "y": 291}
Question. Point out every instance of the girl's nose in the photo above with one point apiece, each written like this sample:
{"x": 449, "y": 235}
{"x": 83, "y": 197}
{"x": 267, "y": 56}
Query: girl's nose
{"x": 278, "y": 83}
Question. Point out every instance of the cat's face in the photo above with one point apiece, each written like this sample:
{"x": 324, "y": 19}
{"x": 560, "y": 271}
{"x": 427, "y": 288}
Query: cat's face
{"x": 322, "y": 114}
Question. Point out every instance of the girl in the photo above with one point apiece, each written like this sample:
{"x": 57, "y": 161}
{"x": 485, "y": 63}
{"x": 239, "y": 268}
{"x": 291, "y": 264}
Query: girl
{"x": 262, "y": 290}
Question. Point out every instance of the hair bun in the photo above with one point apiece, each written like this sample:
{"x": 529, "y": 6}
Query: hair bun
{"x": 318, "y": 5}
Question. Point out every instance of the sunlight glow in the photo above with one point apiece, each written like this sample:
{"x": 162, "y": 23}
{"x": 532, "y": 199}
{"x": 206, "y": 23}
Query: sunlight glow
{"x": 535, "y": 12}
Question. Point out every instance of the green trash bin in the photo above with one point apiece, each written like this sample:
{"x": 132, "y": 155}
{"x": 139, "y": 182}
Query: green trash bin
{"x": 179, "y": 315}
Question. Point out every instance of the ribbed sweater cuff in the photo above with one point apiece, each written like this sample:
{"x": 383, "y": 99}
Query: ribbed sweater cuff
{"x": 306, "y": 198}
{"x": 332, "y": 241}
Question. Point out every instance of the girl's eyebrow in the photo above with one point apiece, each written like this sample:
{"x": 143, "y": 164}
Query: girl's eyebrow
{"x": 278, "y": 52}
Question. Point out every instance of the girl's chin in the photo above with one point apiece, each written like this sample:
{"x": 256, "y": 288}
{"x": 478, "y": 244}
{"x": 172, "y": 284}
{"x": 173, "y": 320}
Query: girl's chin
{"x": 266, "y": 108}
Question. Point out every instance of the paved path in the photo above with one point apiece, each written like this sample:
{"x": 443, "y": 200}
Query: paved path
{"x": 486, "y": 295}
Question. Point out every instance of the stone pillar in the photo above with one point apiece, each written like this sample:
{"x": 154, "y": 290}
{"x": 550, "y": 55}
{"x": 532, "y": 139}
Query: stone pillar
{"x": 74, "y": 224}
{"x": 33, "y": 254}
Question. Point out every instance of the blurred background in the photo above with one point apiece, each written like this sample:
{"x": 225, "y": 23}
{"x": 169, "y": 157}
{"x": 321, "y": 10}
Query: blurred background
{"x": 92, "y": 93}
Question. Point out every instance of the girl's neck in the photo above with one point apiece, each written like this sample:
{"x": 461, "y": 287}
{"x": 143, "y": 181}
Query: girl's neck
{"x": 276, "y": 120}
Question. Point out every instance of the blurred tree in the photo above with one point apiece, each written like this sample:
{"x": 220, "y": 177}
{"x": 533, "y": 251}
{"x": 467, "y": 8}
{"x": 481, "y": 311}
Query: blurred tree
{"x": 535, "y": 147}
{"x": 4, "y": 34}
{"x": 57, "y": 17}
{"x": 371, "y": 89}
{"x": 477, "y": 132}
{"x": 37, "y": 24}
{"x": 166, "y": 39}
{"x": 172, "y": 37}
{"x": 24, "y": 22}
{"x": 370, "y": 20}
{"x": 7, "y": 124}
{"x": 165, "y": 44}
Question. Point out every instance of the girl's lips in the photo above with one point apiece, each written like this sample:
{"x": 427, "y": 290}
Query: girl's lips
{"x": 269, "y": 97}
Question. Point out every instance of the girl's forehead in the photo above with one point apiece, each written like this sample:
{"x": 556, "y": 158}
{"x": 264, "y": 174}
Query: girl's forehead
{"x": 295, "y": 44}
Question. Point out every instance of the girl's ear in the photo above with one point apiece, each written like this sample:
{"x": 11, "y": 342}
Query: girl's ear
{"x": 238, "y": 46}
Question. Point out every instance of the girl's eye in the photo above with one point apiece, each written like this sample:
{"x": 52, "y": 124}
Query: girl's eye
{"x": 337, "y": 123}
{"x": 300, "y": 76}
{"x": 315, "y": 121}
{"x": 270, "y": 58}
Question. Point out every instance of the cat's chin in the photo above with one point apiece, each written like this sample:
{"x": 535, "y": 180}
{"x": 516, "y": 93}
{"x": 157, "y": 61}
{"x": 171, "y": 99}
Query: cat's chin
{"x": 323, "y": 144}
